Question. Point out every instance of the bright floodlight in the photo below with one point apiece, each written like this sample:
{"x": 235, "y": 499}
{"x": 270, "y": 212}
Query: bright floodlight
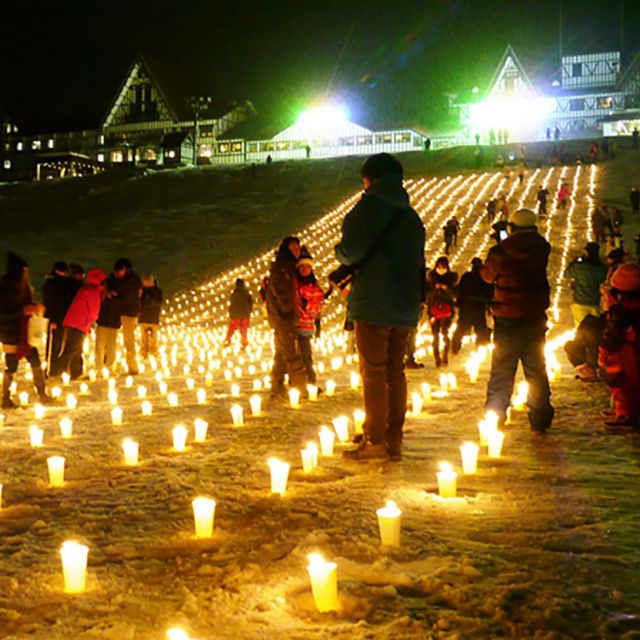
{"x": 323, "y": 120}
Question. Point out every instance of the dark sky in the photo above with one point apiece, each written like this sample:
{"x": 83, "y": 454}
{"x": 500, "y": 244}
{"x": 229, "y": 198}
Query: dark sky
{"x": 61, "y": 62}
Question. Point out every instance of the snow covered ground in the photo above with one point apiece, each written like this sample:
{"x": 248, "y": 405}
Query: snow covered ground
{"x": 541, "y": 543}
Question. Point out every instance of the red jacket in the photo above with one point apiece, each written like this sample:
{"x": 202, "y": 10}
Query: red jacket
{"x": 309, "y": 299}
{"x": 85, "y": 307}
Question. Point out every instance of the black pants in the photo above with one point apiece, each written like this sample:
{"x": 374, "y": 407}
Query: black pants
{"x": 583, "y": 349}
{"x": 306, "y": 354}
{"x": 55, "y": 338}
{"x": 71, "y": 358}
{"x": 472, "y": 319}
{"x": 11, "y": 360}
{"x": 381, "y": 350}
{"x": 286, "y": 357}
{"x": 520, "y": 340}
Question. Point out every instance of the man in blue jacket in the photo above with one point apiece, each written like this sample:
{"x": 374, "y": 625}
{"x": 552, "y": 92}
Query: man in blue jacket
{"x": 383, "y": 244}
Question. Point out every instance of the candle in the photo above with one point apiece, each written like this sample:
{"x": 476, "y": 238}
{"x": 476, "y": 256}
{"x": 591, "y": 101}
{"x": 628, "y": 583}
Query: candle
{"x": 452, "y": 381}
{"x": 1, "y": 419}
{"x": 312, "y": 447}
{"x": 235, "y": 390}
{"x": 23, "y": 398}
{"x": 324, "y": 582}
{"x": 473, "y": 369}
{"x": 172, "y": 399}
{"x": 191, "y": 384}
{"x": 111, "y": 384}
{"x": 416, "y": 404}
{"x": 74, "y": 566}
{"x": 307, "y": 460}
{"x": 201, "y": 396}
{"x": 358, "y": 420}
{"x": 354, "y": 380}
{"x": 341, "y": 425}
{"x": 38, "y": 411}
{"x": 279, "y": 475}
{"x": 56, "y": 392}
{"x": 312, "y": 390}
{"x": 208, "y": 379}
{"x": 447, "y": 481}
{"x": 162, "y": 388}
{"x": 203, "y": 513}
{"x": 508, "y": 419}
{"x": 146, "y": 408}
{"x": 257, "y": 384}
{"x": 128, "y": 382}
{"x": 255, "y": 403}
{"x": 142, "y": 392}
{"x": 56, "y": 471}
{"x": 113, "y": 397}
{"x": 65, "y": 379}
{"x": 469, "y": 453}
{"x": 72, "y": 403}
{"x": 519, "y": 401}
{"x": 66, "y": 428}
{"x": 330, "y": 388}
{"x": 236, "y": 415}
{"x": 495, "y": 440}
{"x": 116, "y": 416}
{"x": 444, "y": 381}
{"x": 84, "y": 389}
{"x": 36, "y": 436}
{"x": 177, "y": 634}
{"x": 130, "y": 449}
{"x": 327, "y": 438}
{"x": 179, "y": 437}
{"x": 294, "y": 398}
{"x": 228, "y": 375}
{"x": 200, "y": 429}
{"x": 389, "y": 523}
{"x": 93, "y": 375}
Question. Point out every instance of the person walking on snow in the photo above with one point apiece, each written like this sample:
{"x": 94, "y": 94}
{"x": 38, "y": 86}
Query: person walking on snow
{"x": 383, "y": 243}
{"x": 517, "y": 269}
{"x": 149, "y": 318}
{"x": 563, "y": 196}
{"x": 543, "y": 194}
{"x": 240, "y": 307}
{"x": 441, "y": 282}
{"x": 634, "y": 200}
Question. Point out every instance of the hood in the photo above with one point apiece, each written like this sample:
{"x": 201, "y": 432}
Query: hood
{"x": 96, "y": 276}
{"x": 526, "y": 245}
{"x": 15, "y": 264}
{"x": 388, "y": 189}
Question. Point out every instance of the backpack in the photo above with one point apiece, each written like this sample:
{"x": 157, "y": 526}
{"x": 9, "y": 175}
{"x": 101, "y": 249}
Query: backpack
{"x": 441, "y": 310}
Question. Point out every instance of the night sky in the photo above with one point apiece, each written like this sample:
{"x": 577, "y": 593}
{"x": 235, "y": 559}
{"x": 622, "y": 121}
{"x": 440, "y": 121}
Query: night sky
{"x": 62, "y": 62}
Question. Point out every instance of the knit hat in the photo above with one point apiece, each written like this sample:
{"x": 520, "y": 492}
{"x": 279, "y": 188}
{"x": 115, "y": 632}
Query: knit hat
{"x": 15, "y": 264}
{"x": 626, "y": 278}
{"x": 523, "y": 219}
{"x": 304, "y": 261}
{"x": 381, "y": 164}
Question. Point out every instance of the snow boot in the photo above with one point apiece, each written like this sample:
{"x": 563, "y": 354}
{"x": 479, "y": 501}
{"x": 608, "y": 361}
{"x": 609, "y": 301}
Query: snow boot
{"x": 366, "y": 451}
{"x": 7, "y": 402}
{"x": 38, "y": 381}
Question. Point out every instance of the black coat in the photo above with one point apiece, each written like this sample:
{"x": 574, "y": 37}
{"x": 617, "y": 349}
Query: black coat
{"x": 12, "y": 301}
{"x": 240, "y": 304}
{"x": 150, "y": 305}
{"x": 57, "y": 295}
{"x": 473, "y": 291}
{"x": 109, "y": 316}
{"x": 127, "y": 293}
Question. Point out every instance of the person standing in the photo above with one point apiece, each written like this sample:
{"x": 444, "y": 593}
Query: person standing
{"x": 586, "y": 274}
{"x": 281, "y": 312}
{"x": 240, "y": 307}
{"x": 600, "y": 225}
{"x": 127, "y": 290}
{"x": 543, "y": 194}
{"x": 634, "y": 200}
{"x": 383, "y": 244}
{"x": 107, "y": 328}
{"x": 16, "y": 307}
{"x": 474, "y": 297}
{"x": 517, "y": 269}
{"x": 563, "y": 196}
{"x": 149, "y": 319}
{"x": 441, "y": 282}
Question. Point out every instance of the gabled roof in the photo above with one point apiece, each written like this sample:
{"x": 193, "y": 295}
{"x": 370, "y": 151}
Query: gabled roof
{"x": 509, "y": 60}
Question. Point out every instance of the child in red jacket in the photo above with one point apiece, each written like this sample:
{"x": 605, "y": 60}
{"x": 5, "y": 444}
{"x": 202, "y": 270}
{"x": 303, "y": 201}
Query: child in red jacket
{"x": 309, "y": 302}
{"x": 619, "y": 355}
{"x": 80, "y": 317}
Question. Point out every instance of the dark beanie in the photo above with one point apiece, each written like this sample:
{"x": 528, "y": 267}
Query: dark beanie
{"x": 59, "y": 265}
{"x": 239, "y": 283}
{"x": 593, "y": 250}
{"x": 15, "y": 264}
{"x": 381, "y": 164}
{"x": 122, "y": 263}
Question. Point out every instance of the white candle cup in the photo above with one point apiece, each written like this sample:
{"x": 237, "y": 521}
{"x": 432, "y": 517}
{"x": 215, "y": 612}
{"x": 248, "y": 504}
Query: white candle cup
{"x": 208, "y": 379}
{"x": 179, "y": 437}
{"x": 447, "y": 481}
{"x": 142, "y": 392}
{"x": 312, "y": 390}
{"x": 203, "y": 514}
{"x": 93, "y": 375}
{"x": 116, "y": 416}
{"x": 237, "y": 415}
{"x": 235, "y": 390}
{"x": 74, "y": 566}
{"x": 36, "y": 436}
{"x": 255, "y": 402}
{"x": 200, "y": 430}
{"x": 312, "y": 447}
{"x": 469, "y": 453}
{"x": 66, "y": 378}
{"x": 172, "y": 399}
{"x": 228, "y": 375}
{"x": 23, "y": 398}
{"x": 330, "y": 388}
{"x": 55, "y": 465}
{"x": 257, "y": 384}
{"x": 147, "y": 408}
{"x": 416, "y": 404}
{"x": 425, "y": 389}
{"x": 444, "y": 381}
{"x": 56, "y": 392}
{"x": 111, "y": 385}
{"x": 358, "y": 420}
{"x": 389, "y": 523}
{"x": 354, "y": 380}
{"x": 324, "y": 582}
{"x": 177, "y": 634}
{"x": 38, "y": 411}
{"x": 452, "y": 381}
{"x": 341, "y": 426}
{"x": 72, "y": 402}
{"x": 128, "y": 382}
{"x": 191, "y": 384}
{"x": 66, "y": 428}
{"x": 294, "y": 398}
{"x": 84, "y": 389}
{"x": 130, "y": 450}
{"x": 473, "y": 370}
{"x": 279, "y": 474}
{"x": 509, "y": 418}
{"x": 163, "y": 388}
{"x": 327, "y": 439}
{"x": 201, "y": 396}
{"x": 495, "y": 442}
{"x": 307, "y": 460}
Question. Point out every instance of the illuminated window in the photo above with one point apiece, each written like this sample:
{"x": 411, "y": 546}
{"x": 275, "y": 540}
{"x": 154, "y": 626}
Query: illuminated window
{"x": 253, "y": 147}
{"x": 19, "y": 146}
{"x": 403, "y": 137}
{"x": 50, "y": 143}
{"x": 101, "y": 140}
{"x": 206, "y": 150}
{"x": 101, "y": 157}
{"x": 605, "y": 103}
{"x": 236, "y": 147}
{"x": 117, "y": 156}
{"x": 7, "y": 164}
{"x": 383, "y": 138}
{"x": 365, "y": 139}
{"x": 36, "y": 144}
{"x": 171, "y": 154}
{"x": 223, "y": 148}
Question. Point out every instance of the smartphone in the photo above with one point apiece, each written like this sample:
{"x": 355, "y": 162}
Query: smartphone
{"x": 503, "y": 235}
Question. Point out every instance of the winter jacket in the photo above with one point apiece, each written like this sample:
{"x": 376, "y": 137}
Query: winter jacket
{"x": 109, "y": 316}
{"x": 309, "y": 302}
{"x": 587, "y": 277}
{"x": 564, "y": 193}
{"x": 57, "y": 295}
{"x": 441, "y": 294}
{"x": 127, "y": 293}
{"x": 388, "y": 288}
{"x": 473, "y": 291}
{"x": 12, "y": 302}
{"x": 281, "y": 290}
{"x": 150, "y": 305}
{"x": 240, "y": 303}
{"x": 517, "y": 269}
{"x": 84, "y": 309}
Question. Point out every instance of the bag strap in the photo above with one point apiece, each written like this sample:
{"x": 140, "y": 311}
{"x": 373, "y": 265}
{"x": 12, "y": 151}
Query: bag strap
{"x": 375, "y": 245}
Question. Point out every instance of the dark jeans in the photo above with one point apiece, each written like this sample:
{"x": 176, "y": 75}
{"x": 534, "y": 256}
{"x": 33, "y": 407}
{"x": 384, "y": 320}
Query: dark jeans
{"x": 71, "y": 358}
{"x": 520, "y": 340}
{"x": 11, "y": 361}
{"x": 583, "y": 349}
{"x": 381, "y": 350}
{"x": 286, "y": 357}
{"x": 306, "y": 354}
{"x": 55, "y": 339}
{"x": 472, "y": 319}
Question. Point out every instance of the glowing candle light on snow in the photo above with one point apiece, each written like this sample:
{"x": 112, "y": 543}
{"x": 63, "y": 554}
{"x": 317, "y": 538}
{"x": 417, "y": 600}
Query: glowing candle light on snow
{"x": 142, "y": 392}
{"x": 425, "y": 389}
{"x": 163, "y": 388}
{"x": 66, "y": 428}
{"x": 354, "y": 380}
{"x": 324, "y": 582}
{"x": 389, "y": 518}
{"x": 200, "y": 430}
{"x": 519, "y": 401}
{"x": 93, "y": 375}
{"x": 327, "y": 438}
{"x": 74, "y": 566}
{"x": 294, "y": 398}
{"x": 128, "y": 382}
{"x": 177, "y": 634}
{"x": 36, "y": 436}
{"x": 191, "y": 384}
{"x": 237, "y": 415}
{"x": 56, "y": 471}
{"x": 172, "y": 399}
{"x": 23, "y": 398}
{"x": 65, "y": 379}
{"x": 56, "y": 392}
{"x": 469, "y": 454}
{"x": 147, "y": 408}
{"x": 257, "y": 384}
{"x": 208, "y": 379}
{"x": 255, "y": 402}
{"x": 179, "y": 437}
{"x": 312, "y": 447}
{"x": 307, "y": 460}
{"x": 116, "y": 416}
{"x": 444, "y": 381}
{"x": 341, "y": 425}
{"x": 38, "y": 411}
{"x": 358, "y": 420}
{"x": 495, "y": 440}
{"x": 84, "y": 389}
{"x": 130, "y": 451}
{"x": 330, "y": 388}
{"x": 201, "y": 396}
{"x": 113, "y": 397}
{"x": 312, "y": 390}
{"x": 279, "y": 474}
{"x": 416, "y": 404}
{"x": 452, "y": 381}
{"x": 447, "y": 481}
{"x": 72, "y": 403}
{"x": 235, "y": 390}
{"x": 203, "y": 514}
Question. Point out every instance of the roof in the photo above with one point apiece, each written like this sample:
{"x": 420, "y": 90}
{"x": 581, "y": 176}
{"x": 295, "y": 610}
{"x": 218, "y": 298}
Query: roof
{"x": 173, "y": 139}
